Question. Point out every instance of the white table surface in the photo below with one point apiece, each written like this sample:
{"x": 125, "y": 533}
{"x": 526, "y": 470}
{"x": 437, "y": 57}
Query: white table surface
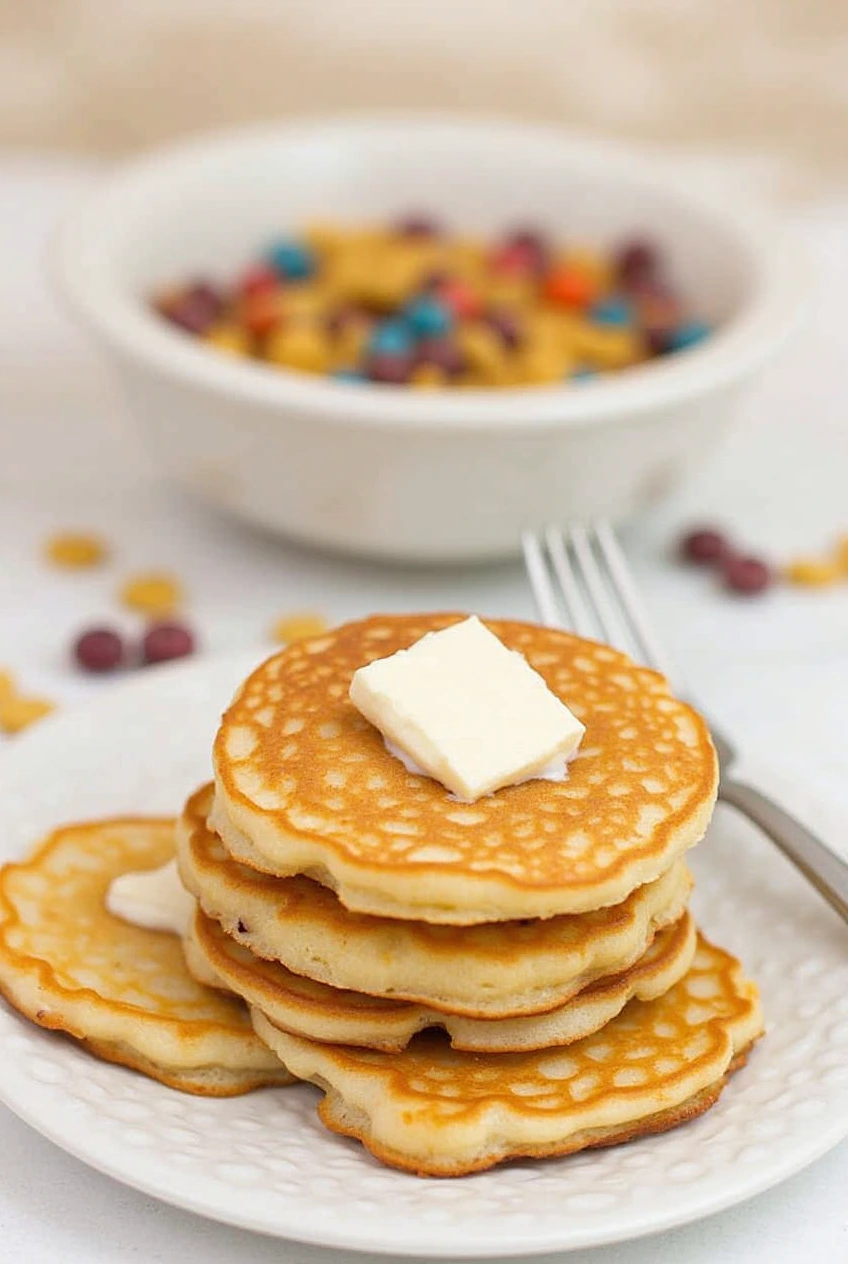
{"x": 775, "y": 671}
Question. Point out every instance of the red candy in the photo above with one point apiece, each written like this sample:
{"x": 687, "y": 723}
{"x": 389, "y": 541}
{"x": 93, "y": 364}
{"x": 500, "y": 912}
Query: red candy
{"x": 461, "y": 298}
{"x": 258, "y": 280}
{"x": 568, "y": 287}
{"x": 164, "y": 641}
{"x": 263, "y": 310}
{"x": 704, "y": 546}
{"x": 746, "y": 575}
{"x": 514, "y": 260}
{"x": 99, "y": 650}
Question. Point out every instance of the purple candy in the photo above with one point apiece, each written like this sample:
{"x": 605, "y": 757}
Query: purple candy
{"x": 394, "y": 370}
{"x": 195, "y": 309}
{"x": 636, "y": 262}
{"x": 418, "y": 225}
{"x": 441, "y": 352}
{"x": 506, "y": 325}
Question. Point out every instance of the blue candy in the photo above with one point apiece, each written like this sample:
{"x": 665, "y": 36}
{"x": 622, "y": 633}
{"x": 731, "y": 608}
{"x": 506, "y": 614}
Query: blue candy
{"x": 688, "y": 334}
{"x": 392, "y": 337}
{"x": 348, "y": 375}
{"x": 428, "y": 317}
{"x": 611, "y": 311}
{"x": 581, "y": 374}
{"x": 293, "y": 260}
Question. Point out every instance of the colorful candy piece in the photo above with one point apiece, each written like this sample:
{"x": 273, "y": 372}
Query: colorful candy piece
{"x": 292, "y": 260}
{"x": 99, "y": 650}
{"x": 165, "y": 641}
{"x": 152, "y": 593}
{"x": 611, "y": 311}
{"x": 393, "y": 370}
{"x": 569, "y": 287}
{"x": 689, "y": 334}
{"x": 391, "y": 338}
{"x": 428, "y": 316}
{"x": 704, "y": 546}
{"x": 746, "y": 575}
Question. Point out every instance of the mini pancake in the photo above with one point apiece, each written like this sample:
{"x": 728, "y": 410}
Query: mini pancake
{"x": 124, "y": 992}
{"x": 502, "y": 970}
{"x": 318, "y": 1012}
{"x": 305, "y": 785}
{"x": 435, "y": 1111}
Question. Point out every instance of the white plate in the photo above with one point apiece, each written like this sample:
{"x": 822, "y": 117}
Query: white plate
{"x": 264, "y": 1162}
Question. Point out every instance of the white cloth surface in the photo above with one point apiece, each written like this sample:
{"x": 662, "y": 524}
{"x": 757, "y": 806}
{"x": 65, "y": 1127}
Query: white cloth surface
{"x": 775, "y": 671}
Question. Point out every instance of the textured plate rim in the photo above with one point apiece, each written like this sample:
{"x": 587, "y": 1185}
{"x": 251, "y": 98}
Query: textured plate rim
{"x": 180, "y": 1188}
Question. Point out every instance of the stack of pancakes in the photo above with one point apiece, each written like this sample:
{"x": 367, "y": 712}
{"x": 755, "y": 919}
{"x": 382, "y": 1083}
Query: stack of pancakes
{"x": 467, "y": 982}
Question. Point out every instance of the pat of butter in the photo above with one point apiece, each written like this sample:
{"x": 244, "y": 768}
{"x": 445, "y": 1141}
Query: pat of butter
{"x": 468, "y": 711}
{"x": 154, "y": 899}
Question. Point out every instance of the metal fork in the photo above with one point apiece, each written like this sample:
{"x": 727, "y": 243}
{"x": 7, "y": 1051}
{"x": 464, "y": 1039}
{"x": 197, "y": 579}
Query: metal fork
{"x": 580, "y": 579}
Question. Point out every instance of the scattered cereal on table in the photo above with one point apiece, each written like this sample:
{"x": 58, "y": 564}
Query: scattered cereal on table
{"x": 7, "y": 684}
{"x": 75, "y": 550}
{"x": 18, "y": 712}
{"x": 840, "y": 554}
{"x": 297, "y": 627}
{"x": 813, "y": 572}
{"x": 153, "y": 593}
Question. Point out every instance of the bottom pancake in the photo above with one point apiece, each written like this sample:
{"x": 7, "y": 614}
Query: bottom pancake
{"x": 435, "y": 1111}
{"x": 319, "y": 1012}
{"x": 122, "y": 991}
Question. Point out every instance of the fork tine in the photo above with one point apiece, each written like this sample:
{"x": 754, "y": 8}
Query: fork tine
{"x": 540, "y": 581}
{"x": 632, "y": 607}
{"x": 603, "y": 608}
{"x": 579, "y": 617}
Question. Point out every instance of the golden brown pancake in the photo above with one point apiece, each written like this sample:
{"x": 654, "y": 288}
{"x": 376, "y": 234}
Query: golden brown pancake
{"x": 435, "y": 1111}
{"x": 124, "y": 992}
{"x": 318, "y": 1012}
{"x": 305, "y": 785}
{"x": 501, "y": 970}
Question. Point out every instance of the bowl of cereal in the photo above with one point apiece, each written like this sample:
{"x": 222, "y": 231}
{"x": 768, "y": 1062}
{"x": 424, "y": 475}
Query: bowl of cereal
{"x": 413, "y": 337}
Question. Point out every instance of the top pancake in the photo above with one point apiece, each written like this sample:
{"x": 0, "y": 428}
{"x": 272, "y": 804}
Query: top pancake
{"x": 304, "y": 784}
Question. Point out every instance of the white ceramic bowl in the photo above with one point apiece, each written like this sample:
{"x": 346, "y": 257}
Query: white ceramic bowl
{"x": 388, "y": 471}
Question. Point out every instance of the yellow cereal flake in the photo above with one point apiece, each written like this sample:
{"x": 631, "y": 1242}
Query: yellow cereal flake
{"x": 153, "y": 593}
{"x": 299, "y": 346}
{"x": 840, "y": 554}
{"x": 297, "y": 627}
{"x": 18, "y": 712}
{"x": 426, "y": 376}
{"x": 813, "y": 572}
{"x": 75, "y": 550}
{"x": 230, "y": 337}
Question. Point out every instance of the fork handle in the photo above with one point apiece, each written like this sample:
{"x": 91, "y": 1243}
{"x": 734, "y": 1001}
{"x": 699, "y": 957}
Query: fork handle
{"x": 822, "y": 867}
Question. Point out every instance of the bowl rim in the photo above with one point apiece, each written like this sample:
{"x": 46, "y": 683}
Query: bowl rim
{"x": 730, "y": 354}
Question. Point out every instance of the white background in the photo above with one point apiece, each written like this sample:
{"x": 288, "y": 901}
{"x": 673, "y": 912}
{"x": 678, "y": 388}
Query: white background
{"x": 775, "y": 671}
